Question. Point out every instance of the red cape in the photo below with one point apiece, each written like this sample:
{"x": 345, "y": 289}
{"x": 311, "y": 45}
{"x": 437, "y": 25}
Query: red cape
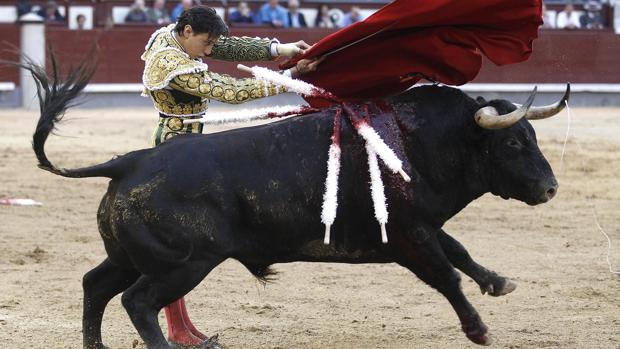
{"x": 441, "y": 40}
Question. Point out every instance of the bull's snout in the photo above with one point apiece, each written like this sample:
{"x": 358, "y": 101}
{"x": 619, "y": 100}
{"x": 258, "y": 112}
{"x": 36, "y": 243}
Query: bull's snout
{"x": 551, "y": 191}
{"x": 547, "y": 190}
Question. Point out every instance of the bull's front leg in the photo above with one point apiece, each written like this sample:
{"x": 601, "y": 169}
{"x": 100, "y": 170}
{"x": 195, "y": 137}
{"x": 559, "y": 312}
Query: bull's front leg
{"x": 489, "y": 281}
{"x": 427, "y": 260}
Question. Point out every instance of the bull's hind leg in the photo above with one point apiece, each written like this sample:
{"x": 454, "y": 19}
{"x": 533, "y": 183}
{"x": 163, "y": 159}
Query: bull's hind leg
{"x": 100, "y": 285}
{"x": 144, "y": 299}
{"x": 489, "y": 282}
{"x": 428, "y": 261}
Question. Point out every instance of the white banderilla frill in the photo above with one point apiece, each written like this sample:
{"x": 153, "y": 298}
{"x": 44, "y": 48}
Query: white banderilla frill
{"x": 292, "y": 85}
{"x": 330, "y": 197}
{"x": 380, "y": 148}
{"x": 245, "y": 115}
{"x": 377, "y": 191}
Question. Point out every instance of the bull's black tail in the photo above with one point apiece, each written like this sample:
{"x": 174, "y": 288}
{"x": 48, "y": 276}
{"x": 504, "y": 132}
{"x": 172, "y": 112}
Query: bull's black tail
{"x": 55, "y": 97}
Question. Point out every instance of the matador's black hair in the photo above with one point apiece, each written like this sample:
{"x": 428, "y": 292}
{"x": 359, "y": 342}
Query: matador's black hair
{"x": 203, "y": 19}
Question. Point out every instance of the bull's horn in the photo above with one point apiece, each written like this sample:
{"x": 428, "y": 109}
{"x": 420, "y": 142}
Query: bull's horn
{"x": 547, "y": 111}
{"x": 488, "y": 117}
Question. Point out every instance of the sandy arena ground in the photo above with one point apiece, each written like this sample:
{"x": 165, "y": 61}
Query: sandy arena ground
{"x": 566, "y": 297}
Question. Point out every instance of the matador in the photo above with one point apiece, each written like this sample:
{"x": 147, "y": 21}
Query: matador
{"x": 180, "y": 84}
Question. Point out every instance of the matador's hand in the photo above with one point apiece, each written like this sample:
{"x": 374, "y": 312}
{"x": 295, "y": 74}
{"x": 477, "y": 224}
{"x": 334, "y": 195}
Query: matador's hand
{"x": 306, "y": 65}
{"x": 292, "y": 49}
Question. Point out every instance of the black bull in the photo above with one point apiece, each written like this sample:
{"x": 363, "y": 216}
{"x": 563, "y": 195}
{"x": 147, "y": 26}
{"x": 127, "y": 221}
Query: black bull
{"x": 173, "y": 213}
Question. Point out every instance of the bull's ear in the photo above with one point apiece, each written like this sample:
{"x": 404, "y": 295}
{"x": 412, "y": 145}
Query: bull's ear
{"x": 481, "y": 100}
{"x": 472, "y": 129}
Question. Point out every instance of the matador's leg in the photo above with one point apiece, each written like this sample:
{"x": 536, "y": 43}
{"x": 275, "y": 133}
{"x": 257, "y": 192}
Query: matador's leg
{"x": 180, "y": 328}
{"x": 189, "y": 323}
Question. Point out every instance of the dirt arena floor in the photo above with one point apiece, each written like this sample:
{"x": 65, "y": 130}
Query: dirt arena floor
{"x": 566, "y": 296}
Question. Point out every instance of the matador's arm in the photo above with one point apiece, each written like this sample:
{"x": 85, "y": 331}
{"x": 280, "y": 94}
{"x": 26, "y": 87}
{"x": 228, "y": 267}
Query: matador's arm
{"x": 224, "y": 88}
{"x": 244, "y": 48}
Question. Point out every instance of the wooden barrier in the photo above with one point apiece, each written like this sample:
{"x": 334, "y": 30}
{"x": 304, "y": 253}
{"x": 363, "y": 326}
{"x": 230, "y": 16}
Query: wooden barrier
{"x": 559, "y": 56}
{"x": 120, "y": 48}
{"x": 9, "y": 40}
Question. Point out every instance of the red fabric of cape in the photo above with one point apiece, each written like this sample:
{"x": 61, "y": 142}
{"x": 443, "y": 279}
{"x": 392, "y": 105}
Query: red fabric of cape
{"x": 442, "y": 40}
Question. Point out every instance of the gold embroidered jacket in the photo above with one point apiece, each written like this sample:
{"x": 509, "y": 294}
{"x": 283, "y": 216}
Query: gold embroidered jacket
{"x": 180, "y": 86}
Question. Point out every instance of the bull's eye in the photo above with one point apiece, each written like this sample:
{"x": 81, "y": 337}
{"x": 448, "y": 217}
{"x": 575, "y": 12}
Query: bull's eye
{"x": 513, "y": 143}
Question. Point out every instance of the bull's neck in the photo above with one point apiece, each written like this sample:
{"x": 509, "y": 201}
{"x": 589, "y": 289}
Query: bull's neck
{"x": 450, "y": 164}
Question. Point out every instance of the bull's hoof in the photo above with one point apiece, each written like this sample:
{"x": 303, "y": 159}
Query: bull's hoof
{"x": 210, "y": 343}
{"x": 478, "y": 333}
{"x": 485, "y": 339}
{"x": 498, "y": 288}
{"x": 98, "y": 345}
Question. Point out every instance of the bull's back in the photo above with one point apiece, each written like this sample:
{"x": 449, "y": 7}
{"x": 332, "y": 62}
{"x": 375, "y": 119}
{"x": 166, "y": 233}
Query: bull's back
{"x": 242, "y": 190}
{"x": 251, "y": 179}
{"x": 260, "y": 175}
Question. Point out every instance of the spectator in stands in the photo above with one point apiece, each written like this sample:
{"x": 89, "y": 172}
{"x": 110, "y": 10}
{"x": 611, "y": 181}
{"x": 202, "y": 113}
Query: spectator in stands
{"x": 548, "y": 18}
{"x": 352, "y": 17}
{"x": 242, "y": 14}
{"x": 81, "y": 22}
{"x": 158, "y": 13}
{"x": 274, "y": 14}
{"x": 592, "y": 19}
{"x": 23, "y": 7}
{"x": 51, "y": 12}
{"x": 323, "y": 18}
{"x": 296, "y": 19}
{"x": 137, "y": 13}
{"x": 184, "y": 5}
{"x": 568, "y": 18}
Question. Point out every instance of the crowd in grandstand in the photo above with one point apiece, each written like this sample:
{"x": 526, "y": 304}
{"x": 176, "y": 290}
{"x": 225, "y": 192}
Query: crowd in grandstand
{"x": 270, "y": 13}
{"x": 590, "y": 18}
{"x": 273, "y": 13}
{"x": 50, "y": 12}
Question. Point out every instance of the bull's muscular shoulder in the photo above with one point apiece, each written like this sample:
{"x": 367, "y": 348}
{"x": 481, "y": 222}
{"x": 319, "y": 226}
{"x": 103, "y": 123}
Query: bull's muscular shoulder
{"x": 166, "y": 64}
